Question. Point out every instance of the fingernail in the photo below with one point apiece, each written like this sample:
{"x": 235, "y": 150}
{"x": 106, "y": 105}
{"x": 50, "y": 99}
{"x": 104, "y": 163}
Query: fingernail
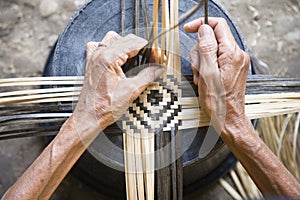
{"x": 188, "y": 25}
{"x": 158, "y": 72}
{"x": 205, "y": 31}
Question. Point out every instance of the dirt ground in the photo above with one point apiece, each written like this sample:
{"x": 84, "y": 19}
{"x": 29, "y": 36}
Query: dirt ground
{"x": 29, "y": 28}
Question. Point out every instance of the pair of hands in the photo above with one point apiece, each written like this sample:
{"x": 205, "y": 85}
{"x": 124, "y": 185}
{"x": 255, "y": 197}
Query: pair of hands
{"x": 220, "y": 70}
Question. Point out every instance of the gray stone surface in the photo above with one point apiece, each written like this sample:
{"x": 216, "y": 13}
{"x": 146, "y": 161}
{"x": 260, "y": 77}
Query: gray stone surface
{"x": 47, "y": 8}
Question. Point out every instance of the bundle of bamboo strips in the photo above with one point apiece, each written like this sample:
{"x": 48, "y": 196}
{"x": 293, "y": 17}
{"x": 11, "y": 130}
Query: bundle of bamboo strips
{"x": 279, "y": 132}
{"x": 240, "y": 185}
{"x": 67, "y": 90}
{"x": 139, "y": 143}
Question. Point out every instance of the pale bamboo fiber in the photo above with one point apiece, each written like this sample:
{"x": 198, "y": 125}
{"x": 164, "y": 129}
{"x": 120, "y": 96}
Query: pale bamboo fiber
{"x": 256, "y": 106}
{"x": 140, "y": 176}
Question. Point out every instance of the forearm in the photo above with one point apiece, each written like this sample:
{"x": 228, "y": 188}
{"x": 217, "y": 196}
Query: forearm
{"x": 269, "y": 174}
{"x": 48, "y": 170}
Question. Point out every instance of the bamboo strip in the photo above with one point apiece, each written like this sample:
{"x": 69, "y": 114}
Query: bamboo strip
{"x": 40, "y": 83}
{"x": 245, "y": 181}
{"x": 123, "y": 14}
{"x": 296, "y": 131}
{"x": 171, "y": 44}
{"x": 238, "y": 184}
{"x": 132, "y": 192}
{"x": 194, "y": 117}
{"x": 145, "y": 160}
{"x": 139, "y": 166}
{"x": 26, "y": 122}
{"x": 40, "y": 133}
{"x": 39, "y": 91}
{"x": 52, "y": 100}
{"x": 173, "y": 166}
{"x": 125, "y": 149}
{"x": 34, "y": 115}
{"x": 150, "y": 173}
{"x": 19, "y": 99}
{"x": 253, "y": 111}
{"x": 206, "y": 11}
{"x": 39, "y": 79}
{"x": 155, "y": 29}
{"x": 252, "y": 81}
{"x": 176, "y": 50}
{"x": 281, "y": 135}
{"x": 146, "y": 19}
{"x": 235, "y": 195}
{"x": 250, "y": 187}
{"x": 164, "y": 20}
{"x": 136, "y": 17}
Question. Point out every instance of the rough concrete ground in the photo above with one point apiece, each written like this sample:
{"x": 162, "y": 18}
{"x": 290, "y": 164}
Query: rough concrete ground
{"x": 272, "y": 30}
{"x": 29, "y": 28}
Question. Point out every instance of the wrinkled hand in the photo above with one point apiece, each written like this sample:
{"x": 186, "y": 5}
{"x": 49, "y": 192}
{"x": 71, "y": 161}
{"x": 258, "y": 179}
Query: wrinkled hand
{"x": 106, "y": 91}
{"x": 220, "y": 70}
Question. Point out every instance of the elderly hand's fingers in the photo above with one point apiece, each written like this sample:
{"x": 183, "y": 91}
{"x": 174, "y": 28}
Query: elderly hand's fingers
{"x": 156, "y": 55}
{"x": 207, "y": 42}
{"x": 143, "y": 79}
{"x": 193, "y": 26}
{"x": 119, "y": 51}
{"x": 110, "y": 38}
{"x": 130, "y": 88}
{"x": 220, "y": 26}
{"x": 195, "y": 62}
{"x": 132, "y": 45}
{"x": 208, "y": 48}
{"x": 91, "y": 47}
{"x": 211, "y": 87}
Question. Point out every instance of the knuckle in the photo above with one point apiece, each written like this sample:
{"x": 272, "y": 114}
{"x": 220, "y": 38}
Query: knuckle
{"x": 196, "y": 79}
{"x": 89, "y": 44}
{"x": 195, "y": 69}
{"x": 208, "y": 46}
{"x": 246, "y": 57}
{"x": 225, "y": 59}
{"x": 111, "y": 33}
{"x": 132, "y": 37}
{"x": 222, "y": 21}
{"x": 101, "y": 59}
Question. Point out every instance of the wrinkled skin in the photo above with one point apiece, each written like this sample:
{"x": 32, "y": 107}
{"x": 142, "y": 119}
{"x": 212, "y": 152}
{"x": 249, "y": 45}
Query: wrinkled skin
{"x": 220, "y": 70}
{"x": 105, "y": 95}
{"x": 220, "y": 73}
{"x": 107, "y": 92}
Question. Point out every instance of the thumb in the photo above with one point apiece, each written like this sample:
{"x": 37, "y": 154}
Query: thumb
{"x": 207, "y": 42}
{"x": 207, "y": 48}
{"x": 209, "y": 72}
{"x": 91, "y": 47}
{"x": 144, "y": 78}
